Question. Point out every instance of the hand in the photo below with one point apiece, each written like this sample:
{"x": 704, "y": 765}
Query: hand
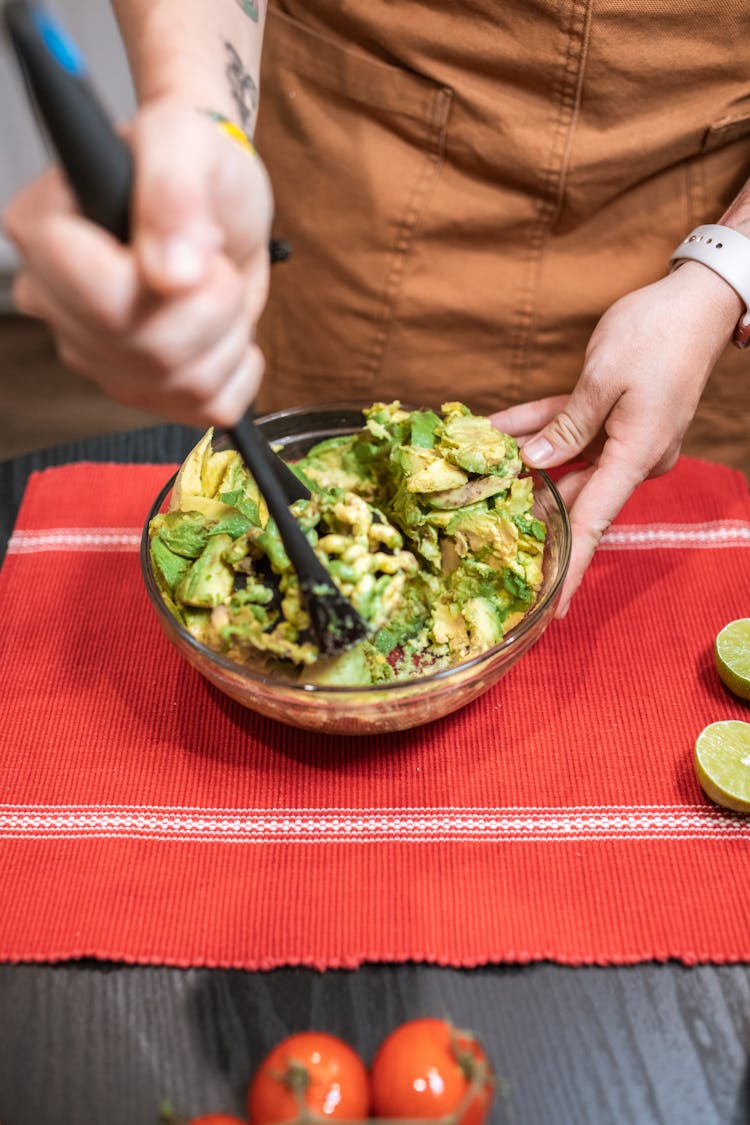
{"x": 166, "y": 323}
{"x": 646, "y": 365}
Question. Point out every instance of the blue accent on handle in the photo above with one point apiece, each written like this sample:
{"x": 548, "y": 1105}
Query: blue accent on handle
{"x": 59, "y": 45}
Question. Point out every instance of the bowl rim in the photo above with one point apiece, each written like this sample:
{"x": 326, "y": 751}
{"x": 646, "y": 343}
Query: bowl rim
{"x": 524, "y": 627}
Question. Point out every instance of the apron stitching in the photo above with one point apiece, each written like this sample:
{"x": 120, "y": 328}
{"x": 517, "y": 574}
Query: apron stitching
{"x": 575, "y": 111}
{"x": 386, "y": 314}
{"x": 568, "y": 96}
{"x": 695, "y": 192}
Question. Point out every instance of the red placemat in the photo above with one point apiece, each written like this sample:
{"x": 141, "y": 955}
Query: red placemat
{"x": 144, "y": 817}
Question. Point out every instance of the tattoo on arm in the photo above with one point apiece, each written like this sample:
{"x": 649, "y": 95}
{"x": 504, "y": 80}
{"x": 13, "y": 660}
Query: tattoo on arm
{"x": 243, "y": 88}
{"x": 250, "y": 8}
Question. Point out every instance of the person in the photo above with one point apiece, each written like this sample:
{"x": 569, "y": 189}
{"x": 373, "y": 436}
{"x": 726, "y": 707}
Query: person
{"x": 481, "y": 203}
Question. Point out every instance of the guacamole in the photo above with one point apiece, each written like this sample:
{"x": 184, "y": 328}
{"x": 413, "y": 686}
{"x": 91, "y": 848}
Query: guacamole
{"x": 423, "y": 519}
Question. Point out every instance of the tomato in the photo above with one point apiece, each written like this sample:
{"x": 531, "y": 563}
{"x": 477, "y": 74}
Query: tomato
{"x": 331, "y": 1078}
{"x": 425, "y": 1069}
{"x": 216, "y": 1119}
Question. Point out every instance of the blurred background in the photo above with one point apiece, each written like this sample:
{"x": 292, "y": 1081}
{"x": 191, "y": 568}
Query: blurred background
{"x": 41, "y": 402}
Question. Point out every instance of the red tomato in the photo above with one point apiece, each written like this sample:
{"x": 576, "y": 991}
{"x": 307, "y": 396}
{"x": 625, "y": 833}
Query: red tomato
{"x": 425, "y": 1068}
{"x": 216, "y": 1119}
{"x": 332, "y": 1077}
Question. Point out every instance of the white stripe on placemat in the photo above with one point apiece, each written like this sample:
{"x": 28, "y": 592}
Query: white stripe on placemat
{"x": 725, "y": 533}
{"x": 349, "y": 825}
{"x": 80, "y": 539}
{"x": 620, "y": 537}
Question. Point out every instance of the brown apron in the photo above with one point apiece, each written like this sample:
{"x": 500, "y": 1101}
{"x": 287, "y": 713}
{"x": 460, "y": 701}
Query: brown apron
{"x": 467, "y": 187}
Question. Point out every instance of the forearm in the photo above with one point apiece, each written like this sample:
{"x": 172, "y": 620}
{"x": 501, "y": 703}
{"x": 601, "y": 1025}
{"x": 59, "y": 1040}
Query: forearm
{"x": 205, "y": 54}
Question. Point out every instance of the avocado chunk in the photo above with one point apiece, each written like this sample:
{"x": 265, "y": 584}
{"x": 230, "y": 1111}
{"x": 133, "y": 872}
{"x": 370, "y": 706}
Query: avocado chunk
{"x": 479, "y": 488}
{"x": 473, "y": 443}
{"x": 427, "y": 472}
{"x": 184, "y": 533}
{"x": 423, "y": 426}
{"x": 358, "y": 667}
{"x": 209, "y": 580}
{"x": 169, "y": 568}
{"x": 484, "y": 622}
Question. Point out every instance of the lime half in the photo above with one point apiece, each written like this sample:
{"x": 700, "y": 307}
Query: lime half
{"x": 733, "y": 656}
{"x": 722, "y": 762}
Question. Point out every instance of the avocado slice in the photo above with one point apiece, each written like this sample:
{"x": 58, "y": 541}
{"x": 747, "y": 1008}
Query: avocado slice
{"x": 184, "y": 533}
{"x": 473, "y": 443}
{"x": 484, "y": 622}
{"x": 169, "y": 568}
{"x": 209, "y": 580}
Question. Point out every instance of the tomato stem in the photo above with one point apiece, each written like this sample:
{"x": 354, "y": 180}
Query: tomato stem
{"x": 167, "y": 1115}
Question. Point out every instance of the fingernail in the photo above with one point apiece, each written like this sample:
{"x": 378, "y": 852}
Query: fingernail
{"x": 537, "y": 452}
{"x": 562, "y": 612}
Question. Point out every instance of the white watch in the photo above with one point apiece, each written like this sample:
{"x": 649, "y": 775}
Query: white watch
{"x": 726, "y": 252}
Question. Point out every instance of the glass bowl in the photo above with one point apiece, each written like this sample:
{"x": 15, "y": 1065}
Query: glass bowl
{"x": 395, "y": 705}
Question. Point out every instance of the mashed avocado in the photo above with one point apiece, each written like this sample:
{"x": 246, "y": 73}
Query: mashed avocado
{"x": 423, "y": 520}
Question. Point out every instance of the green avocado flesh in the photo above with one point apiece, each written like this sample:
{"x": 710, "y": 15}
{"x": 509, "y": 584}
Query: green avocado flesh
{"x": 423, "y": 520}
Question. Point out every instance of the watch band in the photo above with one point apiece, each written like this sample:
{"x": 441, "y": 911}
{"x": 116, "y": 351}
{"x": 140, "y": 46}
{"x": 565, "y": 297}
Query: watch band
{"x": 726, "y": 252}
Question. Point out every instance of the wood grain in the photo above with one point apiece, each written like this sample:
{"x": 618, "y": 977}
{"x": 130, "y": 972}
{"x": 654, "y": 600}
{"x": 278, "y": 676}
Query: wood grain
{"x": 43, "y": 403}
{"x": 587, "y": 1046}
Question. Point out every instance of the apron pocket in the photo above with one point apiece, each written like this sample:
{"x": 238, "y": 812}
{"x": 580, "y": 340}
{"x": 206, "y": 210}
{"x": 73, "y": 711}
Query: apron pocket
{"x": 352, "y": 145}
{"x": 731, "y": 126}
{"x": 720, "y": 167}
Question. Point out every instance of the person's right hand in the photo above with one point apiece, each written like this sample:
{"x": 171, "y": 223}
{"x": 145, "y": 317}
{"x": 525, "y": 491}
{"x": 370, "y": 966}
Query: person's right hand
{"x": 165, "y": 324}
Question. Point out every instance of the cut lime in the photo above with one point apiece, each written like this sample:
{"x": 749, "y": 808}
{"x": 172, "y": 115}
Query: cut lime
{"x": 722, "y": 762}
{"x": 733, "y": 656}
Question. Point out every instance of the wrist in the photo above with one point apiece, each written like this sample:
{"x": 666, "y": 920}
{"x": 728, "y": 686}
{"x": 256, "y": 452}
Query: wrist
{"x": 198, "y": 53}
{"x": 724, "y": 252}
{"x": 205, "y": 97}
{"x": 723, "y": 303}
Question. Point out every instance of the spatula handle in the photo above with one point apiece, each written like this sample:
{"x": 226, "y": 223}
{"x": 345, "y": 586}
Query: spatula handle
{"x": 96, "y": 160}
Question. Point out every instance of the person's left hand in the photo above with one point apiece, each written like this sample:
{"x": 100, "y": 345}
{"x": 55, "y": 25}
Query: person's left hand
{"x": 646, "y": 365}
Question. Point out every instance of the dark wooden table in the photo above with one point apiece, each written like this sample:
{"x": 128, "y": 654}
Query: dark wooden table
{"x": 88, "y": 1043}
